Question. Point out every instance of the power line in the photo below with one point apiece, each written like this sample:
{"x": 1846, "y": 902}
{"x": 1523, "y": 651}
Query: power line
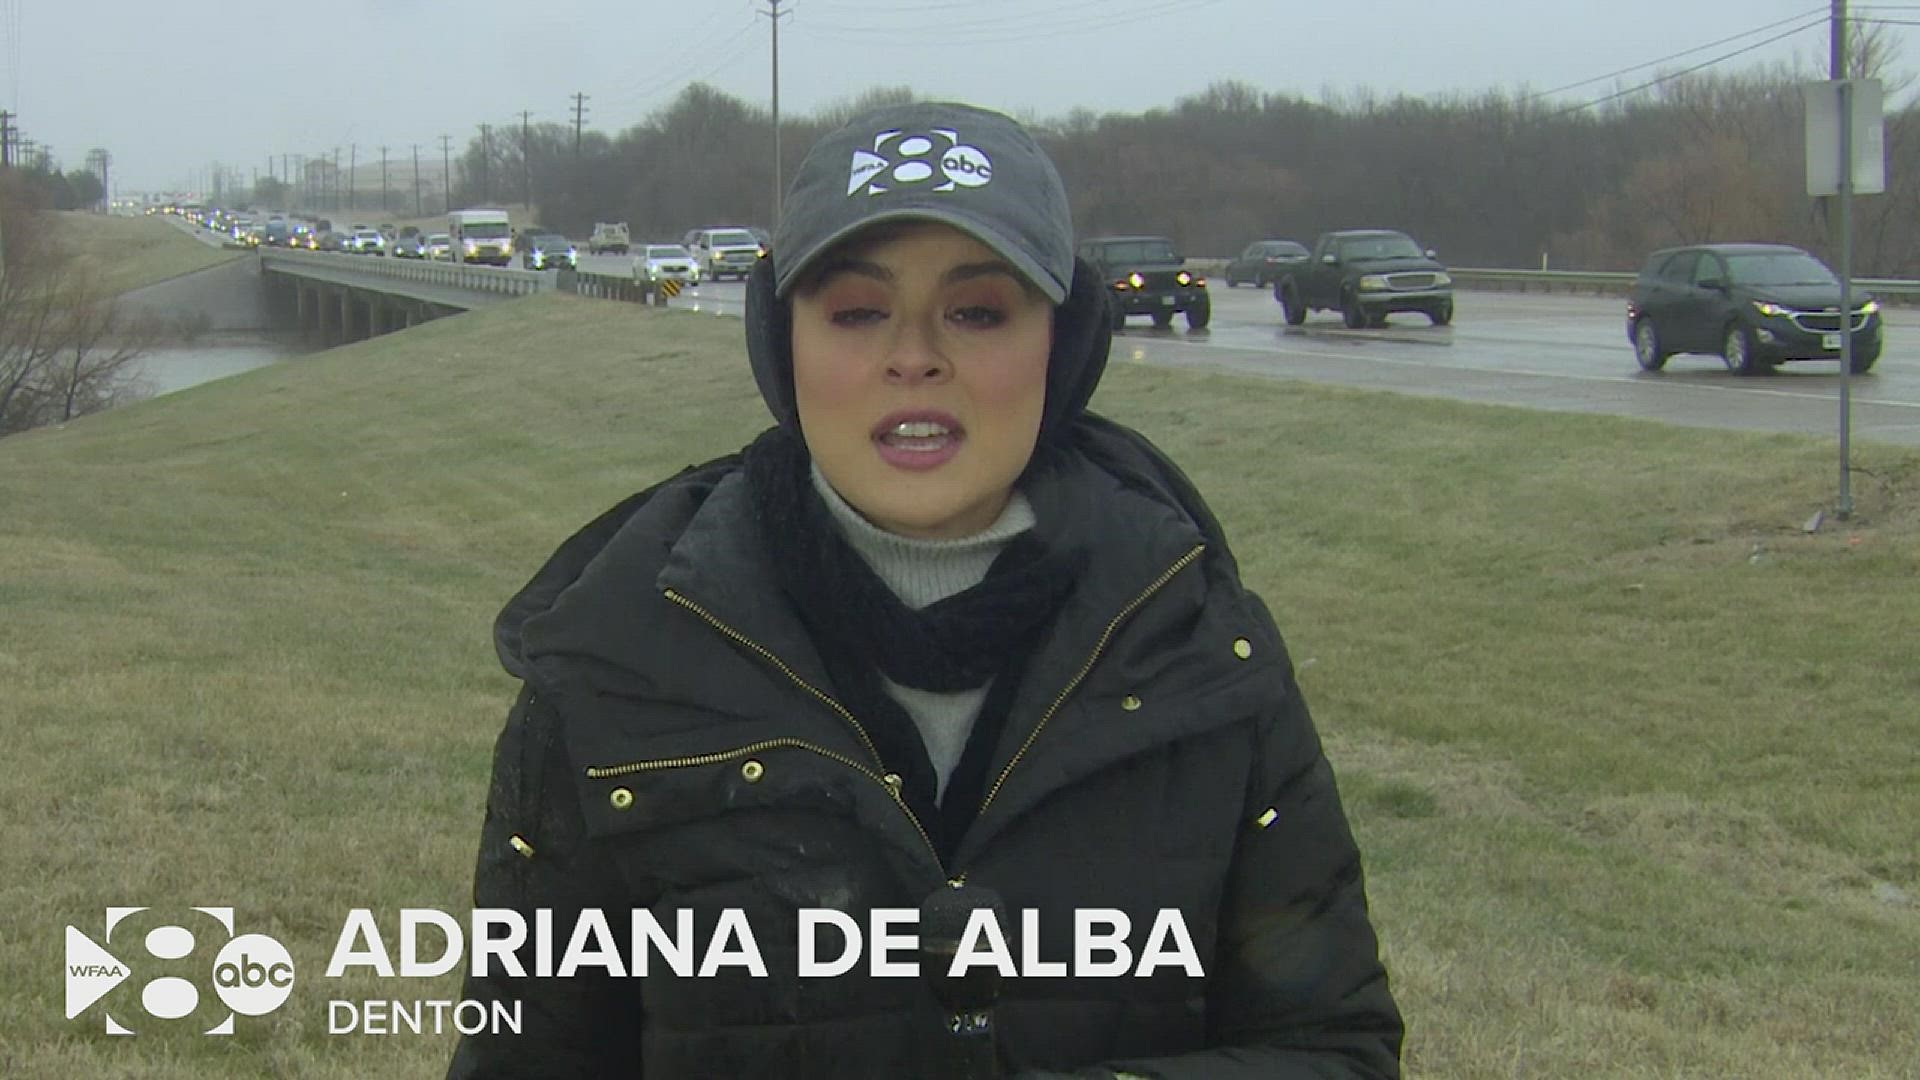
{"x": 1670, "y": 76}
{"x": 682, "y": 74}
{"x": 1672, "y": 56}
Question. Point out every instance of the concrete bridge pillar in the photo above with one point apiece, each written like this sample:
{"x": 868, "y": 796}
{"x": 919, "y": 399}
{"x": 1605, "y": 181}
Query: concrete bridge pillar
{"x": 326, "y": 317}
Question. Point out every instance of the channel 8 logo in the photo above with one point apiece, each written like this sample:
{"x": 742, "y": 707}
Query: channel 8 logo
{"x": 163, "y": 962}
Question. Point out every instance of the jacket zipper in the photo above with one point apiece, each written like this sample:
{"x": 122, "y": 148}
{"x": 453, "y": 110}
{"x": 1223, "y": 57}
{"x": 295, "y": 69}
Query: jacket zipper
{"x": 879, "y": 774}
{"x": 1086, "y": 668}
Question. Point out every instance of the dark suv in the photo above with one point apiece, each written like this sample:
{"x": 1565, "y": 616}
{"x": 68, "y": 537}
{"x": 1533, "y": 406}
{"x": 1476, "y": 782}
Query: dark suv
{"x": 1262, "y": 262}
{"x": 1146, "y": 276}
{"x": 1753, "y": 305}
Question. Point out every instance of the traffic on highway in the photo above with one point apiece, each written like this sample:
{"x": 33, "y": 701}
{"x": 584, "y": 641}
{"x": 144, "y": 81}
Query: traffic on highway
{"x": 1359, "y": 308}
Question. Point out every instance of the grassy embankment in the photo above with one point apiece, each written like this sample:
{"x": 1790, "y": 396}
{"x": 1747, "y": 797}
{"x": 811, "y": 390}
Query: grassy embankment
{"x": 1632, "y": 759}
{"x": 134, "y": 252}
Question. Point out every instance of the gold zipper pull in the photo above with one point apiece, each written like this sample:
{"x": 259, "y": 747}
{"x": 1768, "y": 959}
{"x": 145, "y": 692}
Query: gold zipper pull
{"x": 893, "y": 780}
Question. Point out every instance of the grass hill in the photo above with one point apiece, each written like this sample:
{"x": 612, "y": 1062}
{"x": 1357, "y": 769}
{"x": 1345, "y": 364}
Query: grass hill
{"x": 1631, "y": 757}
{"x": 134, "y": 252}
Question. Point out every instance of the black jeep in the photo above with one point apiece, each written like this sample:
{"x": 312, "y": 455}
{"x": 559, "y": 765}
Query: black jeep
{"x": 1146, "y": 276}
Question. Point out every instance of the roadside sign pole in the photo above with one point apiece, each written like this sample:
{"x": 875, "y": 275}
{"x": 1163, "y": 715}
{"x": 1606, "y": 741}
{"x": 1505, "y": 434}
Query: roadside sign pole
{"x": 1844, "y": 191}
{"x": 1846, "y": 293}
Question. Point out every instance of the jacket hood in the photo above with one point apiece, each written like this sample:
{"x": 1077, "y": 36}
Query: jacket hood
{"x": 1082, "y": 333}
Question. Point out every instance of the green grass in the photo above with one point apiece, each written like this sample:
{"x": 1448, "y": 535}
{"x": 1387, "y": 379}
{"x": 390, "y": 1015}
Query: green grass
{"x": 1626, "y": 791}
{"x": 134, "y": 252}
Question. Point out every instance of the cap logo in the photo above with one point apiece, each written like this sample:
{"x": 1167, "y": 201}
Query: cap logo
{"x": 899, "y": 159}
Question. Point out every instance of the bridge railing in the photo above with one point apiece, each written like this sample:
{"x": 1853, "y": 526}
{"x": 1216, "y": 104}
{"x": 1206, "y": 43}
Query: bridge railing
{"x": 488, "y": 279}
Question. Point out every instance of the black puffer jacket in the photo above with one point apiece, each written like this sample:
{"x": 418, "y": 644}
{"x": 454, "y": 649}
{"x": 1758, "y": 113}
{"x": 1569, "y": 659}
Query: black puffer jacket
{"x": 678, "y": 746}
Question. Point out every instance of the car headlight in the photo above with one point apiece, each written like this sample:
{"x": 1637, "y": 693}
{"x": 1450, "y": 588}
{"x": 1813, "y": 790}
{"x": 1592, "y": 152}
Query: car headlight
{"x": 573, "y": 253}
{"x": 1869, "y": 307}
{"x": 1373, "y": 281}
{"x": 1443, "y": 278}
{"x": 1136, "y": 281}
{"x": 1183, "y": 278}
{"x": 1769, "y": 308}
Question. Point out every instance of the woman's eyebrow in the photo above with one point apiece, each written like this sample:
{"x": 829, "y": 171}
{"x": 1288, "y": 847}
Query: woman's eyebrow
{"x": 969, "y": 271}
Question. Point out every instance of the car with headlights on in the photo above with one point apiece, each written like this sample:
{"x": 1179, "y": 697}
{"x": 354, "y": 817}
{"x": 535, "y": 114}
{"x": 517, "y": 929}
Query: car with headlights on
{"x": 666, "y": 262}
{"x": 547, "y": 251}
{"x": 367, "y": 242}
{"x": 1146, "y": 275}
{"x": 1753, "y": 305}
{"x": 1260, "y": 262}
{"x": 730, "y": 250}
{"x": 439, "y": 247}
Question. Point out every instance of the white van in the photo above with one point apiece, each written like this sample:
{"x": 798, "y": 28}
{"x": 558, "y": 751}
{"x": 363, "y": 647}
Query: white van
{"x": 481, "y": 236}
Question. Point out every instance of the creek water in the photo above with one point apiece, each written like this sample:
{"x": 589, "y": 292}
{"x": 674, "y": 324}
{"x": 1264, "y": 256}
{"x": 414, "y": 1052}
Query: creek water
{"x": 163, "y": 371}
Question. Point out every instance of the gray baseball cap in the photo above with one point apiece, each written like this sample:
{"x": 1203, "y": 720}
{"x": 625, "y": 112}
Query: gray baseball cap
{"x": 970, "y": 168}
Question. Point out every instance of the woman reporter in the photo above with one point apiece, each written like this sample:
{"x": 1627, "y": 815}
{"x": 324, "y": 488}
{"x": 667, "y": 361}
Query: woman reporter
{"x": 940, "y": 636}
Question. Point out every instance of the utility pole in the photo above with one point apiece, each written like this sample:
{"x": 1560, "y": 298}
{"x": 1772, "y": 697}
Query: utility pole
{"x": 446, "y": 169}
{"x": 774, "y": 13}
{"x": 526, "y": 162}
{"x": 383, "y": 179}
{"x": 486, "y": 161}
{"x": 6, "y": 139}
{"x": 579, "y": 114}
{"x": 353, "y": 167}
{"x": 97, "y": 161}
{"x": 417, "y": 212}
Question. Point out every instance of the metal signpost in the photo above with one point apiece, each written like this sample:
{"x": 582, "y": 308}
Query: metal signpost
{"x": 1846, "y": 154}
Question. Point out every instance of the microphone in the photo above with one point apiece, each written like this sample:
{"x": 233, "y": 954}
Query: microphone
{"x": 968, "y": 998}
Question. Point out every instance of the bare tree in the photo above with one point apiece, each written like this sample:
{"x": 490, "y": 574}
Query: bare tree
{"x": 65, "y": 347}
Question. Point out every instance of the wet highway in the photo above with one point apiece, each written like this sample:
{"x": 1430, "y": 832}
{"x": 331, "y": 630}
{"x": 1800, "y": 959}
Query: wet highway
{"x": 1566, "y": 353}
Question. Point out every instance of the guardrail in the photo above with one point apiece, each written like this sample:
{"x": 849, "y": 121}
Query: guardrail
{"x": 485, "y": 279}
{"x": 1620, "y": 282}
{"x": 608, "y": 285}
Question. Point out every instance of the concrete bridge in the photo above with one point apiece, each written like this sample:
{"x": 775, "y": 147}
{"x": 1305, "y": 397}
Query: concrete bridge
{"x": 333, "y": 297}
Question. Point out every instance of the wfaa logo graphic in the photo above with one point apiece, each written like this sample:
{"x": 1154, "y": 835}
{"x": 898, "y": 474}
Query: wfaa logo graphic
{"x": 918, "y": 159}
{"x": 250, "y": 974}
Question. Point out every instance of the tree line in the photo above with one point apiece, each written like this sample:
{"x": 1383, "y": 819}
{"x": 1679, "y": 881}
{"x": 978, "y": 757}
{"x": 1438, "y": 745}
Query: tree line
{"x": 1490, "y": 179}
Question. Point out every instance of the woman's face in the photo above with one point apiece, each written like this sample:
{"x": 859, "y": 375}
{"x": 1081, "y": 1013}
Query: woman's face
{"x": 920, "y": 375}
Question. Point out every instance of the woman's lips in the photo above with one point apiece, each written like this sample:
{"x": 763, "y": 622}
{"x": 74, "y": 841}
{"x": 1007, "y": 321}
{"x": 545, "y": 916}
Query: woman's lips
{"x": 918, "y": 440}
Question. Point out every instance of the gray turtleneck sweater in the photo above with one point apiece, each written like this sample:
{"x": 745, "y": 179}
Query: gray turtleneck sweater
{"x": 921, "y": 573}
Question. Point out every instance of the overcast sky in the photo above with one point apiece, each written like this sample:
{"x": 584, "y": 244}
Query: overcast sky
{"x": 171, "y": 86}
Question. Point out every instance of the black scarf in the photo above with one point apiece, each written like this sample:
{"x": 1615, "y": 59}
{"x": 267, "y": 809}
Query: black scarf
{"x": 863, "y": 629}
